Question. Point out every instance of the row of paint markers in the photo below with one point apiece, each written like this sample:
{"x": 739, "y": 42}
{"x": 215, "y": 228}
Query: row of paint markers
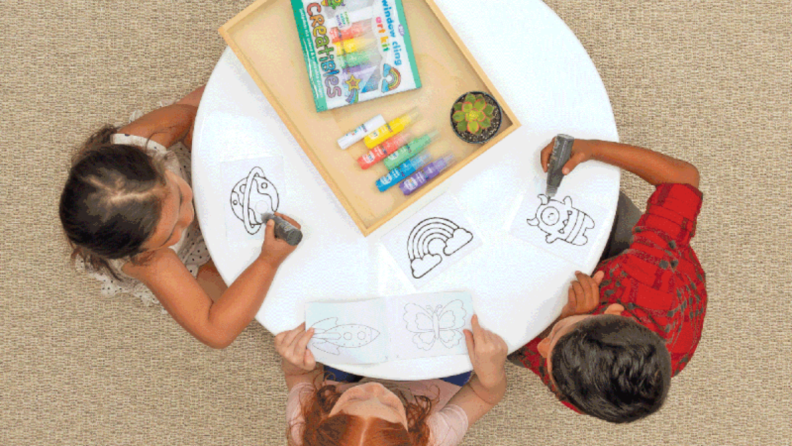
{"x": 400, "y": 151}
{"x": 353, "y": 46}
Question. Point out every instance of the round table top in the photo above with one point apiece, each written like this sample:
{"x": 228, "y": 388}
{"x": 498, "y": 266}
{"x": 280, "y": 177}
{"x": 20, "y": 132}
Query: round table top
{"x": 548, "y": 80}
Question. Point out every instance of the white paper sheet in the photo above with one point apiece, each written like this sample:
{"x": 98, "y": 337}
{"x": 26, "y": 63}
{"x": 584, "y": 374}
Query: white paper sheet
{"x": 424, "y": 325}
{"x": 432, "y": 240}
{"x": 393, "y": 328}
{"x": 251, "y": 188}
{"x": 348, "y": 332}
{"x": 563, "y": 225}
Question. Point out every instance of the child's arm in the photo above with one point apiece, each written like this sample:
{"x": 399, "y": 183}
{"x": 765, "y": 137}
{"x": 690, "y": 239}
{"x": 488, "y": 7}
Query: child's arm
{"x": 653, "y": 167}
{"x": 216, "y": 324}
{"x": 297, "y": 361}
{"x": 169, "y": 124}
{"x": 485, "y": 390}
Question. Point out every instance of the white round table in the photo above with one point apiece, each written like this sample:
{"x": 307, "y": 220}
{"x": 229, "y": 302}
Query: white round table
{"x": 552, "y": 86}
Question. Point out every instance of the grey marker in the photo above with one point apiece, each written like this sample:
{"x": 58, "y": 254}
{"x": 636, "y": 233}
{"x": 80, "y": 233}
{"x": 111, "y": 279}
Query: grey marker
{"x": 284, "y": 230}
{"x": 562, "y": 150}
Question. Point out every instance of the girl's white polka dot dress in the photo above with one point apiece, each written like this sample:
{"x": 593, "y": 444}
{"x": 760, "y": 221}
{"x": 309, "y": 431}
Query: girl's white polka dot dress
{"x": 191, "y": 249}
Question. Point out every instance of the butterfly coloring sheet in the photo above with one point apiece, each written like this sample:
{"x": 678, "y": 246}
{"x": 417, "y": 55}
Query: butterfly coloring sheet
{"x": 430, "y": 324}
{"x": 432, "y": 240}
{"x": 565, "y": 225}
{"x": 393, "y": 328}
{"x": 252, "y": 188}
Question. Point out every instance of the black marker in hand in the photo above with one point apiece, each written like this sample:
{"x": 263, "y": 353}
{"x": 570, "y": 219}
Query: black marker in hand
{"x": 284, "y": 230}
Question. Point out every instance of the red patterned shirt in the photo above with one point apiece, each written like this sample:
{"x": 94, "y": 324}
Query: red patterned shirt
{"x": 658, "y": 279}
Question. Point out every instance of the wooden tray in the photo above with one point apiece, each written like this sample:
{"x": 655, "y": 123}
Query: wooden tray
{"x": 264, "y": 37}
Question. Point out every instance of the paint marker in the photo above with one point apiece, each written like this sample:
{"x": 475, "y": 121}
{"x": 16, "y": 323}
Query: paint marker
{"x": 392, "y": 128}
{"x": 357, "y": 29}
{"x": 284, "y": 230}
{"x": 353, "y": 59}
{"x": 562, "y": 149}
{"x": 418, "y": 179}
{"x": 347, "y": 19}
{"x": 406, "y": 169}
{"x": 352, "y": 45}
{"x": 379, "y": 153}
{"x": 413, "y": 148}
{"x": 359, "y": 133}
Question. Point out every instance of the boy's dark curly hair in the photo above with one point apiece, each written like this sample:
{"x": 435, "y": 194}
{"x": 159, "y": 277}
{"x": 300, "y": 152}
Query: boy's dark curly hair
{"x": 612, "y": 368}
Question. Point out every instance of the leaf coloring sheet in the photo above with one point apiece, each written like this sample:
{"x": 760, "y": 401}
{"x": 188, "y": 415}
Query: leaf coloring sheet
{"x": 564, "y": 225}
{"x": 432, "y": 240}
{"x": 251, "y": 188}
{"x": 393, "y": 328}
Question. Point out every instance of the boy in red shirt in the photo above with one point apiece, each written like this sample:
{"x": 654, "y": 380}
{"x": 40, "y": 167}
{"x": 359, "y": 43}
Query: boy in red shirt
{"x": 637, "y": 321}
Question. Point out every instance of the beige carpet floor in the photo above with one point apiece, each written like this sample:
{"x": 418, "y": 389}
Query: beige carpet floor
{"x": 708, "y": 81}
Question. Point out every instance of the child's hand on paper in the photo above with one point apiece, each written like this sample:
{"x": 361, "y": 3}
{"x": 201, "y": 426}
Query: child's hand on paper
{"x": 583, "y": 295}
{"x": 582, "y": 151}
{"x": 292, "y": 345}
{"x": 274, "y": 250}
{"x": 487, "y": 352}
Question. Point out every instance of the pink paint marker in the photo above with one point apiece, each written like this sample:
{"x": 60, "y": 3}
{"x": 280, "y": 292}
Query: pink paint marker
{"x": 418, "y": 179}
{"x": 381, "y": 152}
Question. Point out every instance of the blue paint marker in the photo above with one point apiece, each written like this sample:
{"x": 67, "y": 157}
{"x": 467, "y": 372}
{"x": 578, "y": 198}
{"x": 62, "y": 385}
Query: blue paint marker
{"x": 403, "y": 171}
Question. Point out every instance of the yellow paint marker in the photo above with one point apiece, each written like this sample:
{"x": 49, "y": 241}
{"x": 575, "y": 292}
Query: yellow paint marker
{"x": 391, "y": 128}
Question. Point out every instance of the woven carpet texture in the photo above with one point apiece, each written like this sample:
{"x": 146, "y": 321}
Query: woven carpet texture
{"x": 708, "y": 81}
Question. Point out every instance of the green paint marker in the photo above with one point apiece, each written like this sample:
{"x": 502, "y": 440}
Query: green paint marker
{"x": 353, "y": 59}
{"x": 413, "y": 148}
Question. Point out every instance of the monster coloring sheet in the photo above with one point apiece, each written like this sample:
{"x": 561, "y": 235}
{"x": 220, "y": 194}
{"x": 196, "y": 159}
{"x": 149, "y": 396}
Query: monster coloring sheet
{"x": 252, "y": 188}
{"x": 392, "y": 328}
{"x": 433, "y": 239}
{"x": 564, "y": 225}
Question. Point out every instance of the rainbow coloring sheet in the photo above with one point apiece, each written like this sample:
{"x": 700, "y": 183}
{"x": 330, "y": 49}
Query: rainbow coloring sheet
{"x": 563, "y": 225}
{"x": 432, "y": 240}
{"x": 251, "y": 188}
{"x": 355, "y": 50}
{"x": 393, "y": 328}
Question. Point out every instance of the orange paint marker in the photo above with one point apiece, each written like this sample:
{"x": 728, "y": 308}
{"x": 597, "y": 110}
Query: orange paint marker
{"x": 380, "y": 152}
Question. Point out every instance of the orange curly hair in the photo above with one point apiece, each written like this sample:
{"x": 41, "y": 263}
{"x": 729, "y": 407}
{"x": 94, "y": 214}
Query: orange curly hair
{"x": 320, "y": 429}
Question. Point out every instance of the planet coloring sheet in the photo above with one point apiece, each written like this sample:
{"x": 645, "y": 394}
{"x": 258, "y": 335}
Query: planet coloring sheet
{"x": 251, "y": 187}
{"x": 392, "y": 328}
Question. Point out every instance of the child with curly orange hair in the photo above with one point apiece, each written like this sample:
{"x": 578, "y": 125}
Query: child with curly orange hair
{"x": 324, "y": 412}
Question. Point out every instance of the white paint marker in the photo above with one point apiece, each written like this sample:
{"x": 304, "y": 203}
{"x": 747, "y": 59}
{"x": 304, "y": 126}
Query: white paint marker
{"x": 359, "y": 133}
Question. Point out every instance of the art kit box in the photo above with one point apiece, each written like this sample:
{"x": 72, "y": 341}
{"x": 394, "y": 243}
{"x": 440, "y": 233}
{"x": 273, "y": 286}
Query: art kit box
{"x": 355, "y": 50}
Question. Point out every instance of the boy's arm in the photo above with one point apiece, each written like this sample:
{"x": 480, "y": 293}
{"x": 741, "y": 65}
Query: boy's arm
{"x": 169, "y": 124}
{"x": 652, "y": 166}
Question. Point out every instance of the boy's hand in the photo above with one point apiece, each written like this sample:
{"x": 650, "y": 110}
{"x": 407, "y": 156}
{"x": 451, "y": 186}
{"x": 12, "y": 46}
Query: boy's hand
{"x": 581, "y": 151}
{"x": 487, "y": 352}
{"x": 292, "y": 345}
{"x": 583, "y": 294}
{"x": 274, "y": 250}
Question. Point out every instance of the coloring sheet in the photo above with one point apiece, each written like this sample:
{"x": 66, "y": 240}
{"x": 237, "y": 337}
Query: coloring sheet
{"x": 393, "y": 328}
{"x": 432, "y": 240}
{"x": 348, "y": 332}
{"x": 429, "y": 324}
{"x": 251, "y": 188}
{"x": 563, "y": 225}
